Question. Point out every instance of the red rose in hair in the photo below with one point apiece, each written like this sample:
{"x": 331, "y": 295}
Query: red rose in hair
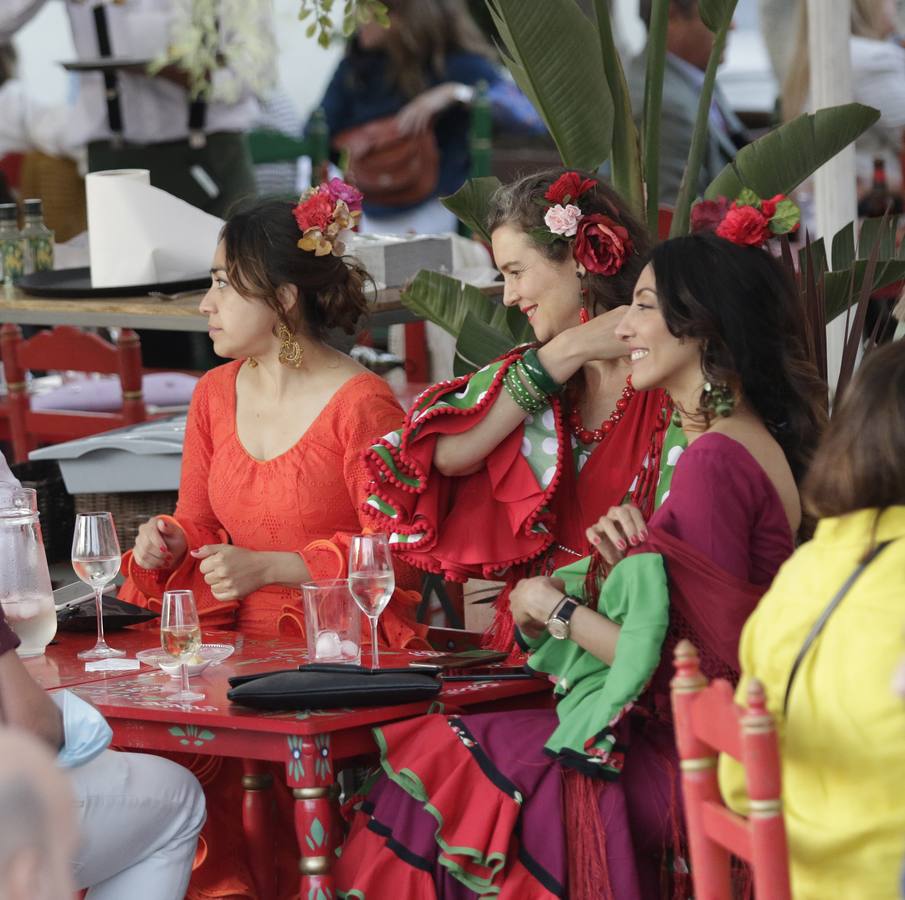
{"x": 744, "y": 225}
{"x": 601, "y": 245}
{"x": 314, "y": 212}
{"x": 568, "y": 185}
{"x": 707, "y": 215}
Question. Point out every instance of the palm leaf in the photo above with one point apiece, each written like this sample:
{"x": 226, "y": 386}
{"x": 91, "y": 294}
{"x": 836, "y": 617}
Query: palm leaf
{"x": 471, "y": 202}
{"x": 625, "y": 165}
{"x": 717, "y": 15}
{"x": 552, "y": 52}
{"x": 779, "y": 161}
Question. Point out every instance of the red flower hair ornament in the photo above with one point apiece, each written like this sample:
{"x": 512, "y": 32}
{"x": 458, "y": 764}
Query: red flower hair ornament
{"x": 748, "y": 220}
{"x": 599, "y": 243}
{"x": 323, "y": 213}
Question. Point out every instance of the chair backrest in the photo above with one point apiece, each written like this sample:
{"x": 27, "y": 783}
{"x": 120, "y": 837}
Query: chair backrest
{"x": 68, "y": 349}
{"x": 708, "y": 722}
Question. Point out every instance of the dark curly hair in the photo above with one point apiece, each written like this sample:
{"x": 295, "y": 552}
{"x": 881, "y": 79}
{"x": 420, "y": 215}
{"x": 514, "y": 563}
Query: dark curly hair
{"x": 262, "y": 255}
{"x": 741, "y": 303}
{"x": 522, "y": 205}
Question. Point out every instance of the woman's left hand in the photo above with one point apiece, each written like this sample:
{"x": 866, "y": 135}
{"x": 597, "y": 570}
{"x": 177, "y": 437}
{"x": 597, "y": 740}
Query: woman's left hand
{"x": 416, "y": 115}
{"x": 532, "y": 601}
{"x": 232, "y": 572}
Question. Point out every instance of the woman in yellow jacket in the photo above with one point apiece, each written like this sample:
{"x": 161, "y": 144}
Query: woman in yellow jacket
{"x": 842, "y": 732}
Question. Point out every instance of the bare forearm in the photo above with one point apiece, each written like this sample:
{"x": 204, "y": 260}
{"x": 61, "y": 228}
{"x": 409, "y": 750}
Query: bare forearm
{"x": 595, "y": 633}
{"x": 25, "y": 704}
{"x": 462, "y": 454}
{"x": 288, "y": 569}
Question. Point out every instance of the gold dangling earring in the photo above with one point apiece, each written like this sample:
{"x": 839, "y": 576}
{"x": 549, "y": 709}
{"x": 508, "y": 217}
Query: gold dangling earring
{"x": 252, "y": 362}
{"x": 291, "y": 351}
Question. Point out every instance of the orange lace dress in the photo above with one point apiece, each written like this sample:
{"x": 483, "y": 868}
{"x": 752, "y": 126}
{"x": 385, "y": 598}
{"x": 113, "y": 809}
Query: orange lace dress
{"x": 307, "y": 500}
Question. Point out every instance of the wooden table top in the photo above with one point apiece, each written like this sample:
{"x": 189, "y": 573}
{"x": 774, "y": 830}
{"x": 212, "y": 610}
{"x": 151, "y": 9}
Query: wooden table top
{"x": 150, "y": 313}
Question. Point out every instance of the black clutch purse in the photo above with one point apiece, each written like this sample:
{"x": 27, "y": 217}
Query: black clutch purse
{"x": 325, "y": 686}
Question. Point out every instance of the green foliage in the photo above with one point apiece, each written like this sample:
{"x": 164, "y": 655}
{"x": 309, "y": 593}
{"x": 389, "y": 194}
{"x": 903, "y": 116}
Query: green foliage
{"x": 554, "y": 55}
{"x": 470, "y": 204}
{"x": 355, "y": 13}
{"x": 782, "y": 159}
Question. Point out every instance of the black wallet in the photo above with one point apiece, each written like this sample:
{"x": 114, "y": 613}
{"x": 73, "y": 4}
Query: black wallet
{"x": 325, "y": 686}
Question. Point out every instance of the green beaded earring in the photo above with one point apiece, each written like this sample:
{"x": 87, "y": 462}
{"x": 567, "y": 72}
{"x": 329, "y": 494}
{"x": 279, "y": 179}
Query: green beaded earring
{"x": 717, "y": 399}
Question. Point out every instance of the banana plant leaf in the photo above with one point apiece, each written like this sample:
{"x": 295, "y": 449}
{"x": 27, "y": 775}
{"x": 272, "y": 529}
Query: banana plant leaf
{"x": 782, "y": 159}
{"x": 552, "y": 50}
{"x": 447, "y": 302}
{"x": 479, "y": 343}
{"x": 717, "y": 16}
{"x": 471, "y": 202}
{"x": 625, "y": 164}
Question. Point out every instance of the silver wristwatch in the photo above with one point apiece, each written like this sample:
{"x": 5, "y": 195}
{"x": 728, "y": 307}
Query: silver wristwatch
{"x": 558, "y": 623}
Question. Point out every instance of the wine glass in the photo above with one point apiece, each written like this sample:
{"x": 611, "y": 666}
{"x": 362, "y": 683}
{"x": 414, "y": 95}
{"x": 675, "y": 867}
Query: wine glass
{"x": 371, "y": 580}
{"x": 96, "y": 559}
{"x": 180, "y": 636}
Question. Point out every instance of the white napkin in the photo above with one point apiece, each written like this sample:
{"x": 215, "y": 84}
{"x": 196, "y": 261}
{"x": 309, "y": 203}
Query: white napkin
{"x": 112, "y": 665}
{"x": 139, "y": 234}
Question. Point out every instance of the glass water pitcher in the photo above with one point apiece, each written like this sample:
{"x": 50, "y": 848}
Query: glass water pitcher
{"x": 25, "y": 591}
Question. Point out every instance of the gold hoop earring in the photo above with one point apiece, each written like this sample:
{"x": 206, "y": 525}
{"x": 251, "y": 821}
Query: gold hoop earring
{"x": 291, "y": 351}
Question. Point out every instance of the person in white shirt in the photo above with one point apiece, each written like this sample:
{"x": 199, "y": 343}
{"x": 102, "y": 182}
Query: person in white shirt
{"x": 128, "y": 119}
{"x": 878, "y": 80}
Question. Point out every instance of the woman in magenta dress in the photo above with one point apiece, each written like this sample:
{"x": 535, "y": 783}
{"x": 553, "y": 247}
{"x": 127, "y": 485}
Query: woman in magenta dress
{"x": 582, "y": 802}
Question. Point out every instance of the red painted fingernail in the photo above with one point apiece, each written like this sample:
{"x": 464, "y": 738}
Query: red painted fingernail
{"x": 633, "y": 540}
{"x": 596, "y": 540}
{"x": 620, "y": 545}
{"x": 163, "y": 548}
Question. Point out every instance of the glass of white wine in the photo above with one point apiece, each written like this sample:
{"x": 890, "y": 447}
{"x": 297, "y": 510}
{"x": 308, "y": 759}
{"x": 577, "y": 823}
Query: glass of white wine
{"x": 371, "y": 580}
{"x": 96, "y": 558}
{"x": 180, "y": 637}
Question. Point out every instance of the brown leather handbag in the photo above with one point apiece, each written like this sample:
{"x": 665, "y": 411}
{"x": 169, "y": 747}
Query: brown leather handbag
{"x": 390, "y": 169}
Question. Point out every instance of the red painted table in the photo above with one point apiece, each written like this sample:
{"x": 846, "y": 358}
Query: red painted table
{"x": 313, "y": 744}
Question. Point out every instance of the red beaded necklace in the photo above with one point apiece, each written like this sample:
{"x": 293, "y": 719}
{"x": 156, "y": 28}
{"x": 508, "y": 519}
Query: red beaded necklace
{"x": 598, "y": 434}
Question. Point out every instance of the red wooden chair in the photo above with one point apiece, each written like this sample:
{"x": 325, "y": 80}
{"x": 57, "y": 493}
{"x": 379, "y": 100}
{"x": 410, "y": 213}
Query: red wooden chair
{"x": 707, "y": 723}
{"x": 68, "y": 349}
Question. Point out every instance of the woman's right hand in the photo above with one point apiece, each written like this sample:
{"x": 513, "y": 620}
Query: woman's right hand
{"x": 622, "y": 527}
{"x": 159, "y": 544}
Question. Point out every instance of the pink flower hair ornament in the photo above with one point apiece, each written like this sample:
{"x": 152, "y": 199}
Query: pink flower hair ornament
{"x": 747, "y": 220}
{"x": 599, "y": 243}
{"x": 323, "y": 213}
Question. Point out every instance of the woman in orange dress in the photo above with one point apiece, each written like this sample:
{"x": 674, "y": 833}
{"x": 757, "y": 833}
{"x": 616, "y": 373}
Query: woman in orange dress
{"x": 273, "y": 477}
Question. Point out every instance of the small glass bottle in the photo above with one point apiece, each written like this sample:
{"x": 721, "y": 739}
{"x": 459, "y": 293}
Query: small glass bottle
{"x": 38, "y": 239}
{"x": 12, "y": 247}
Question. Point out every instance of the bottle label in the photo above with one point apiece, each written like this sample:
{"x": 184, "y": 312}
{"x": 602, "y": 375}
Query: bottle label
{"x": 40, "y": 253}
{"x": 12, "y": 254}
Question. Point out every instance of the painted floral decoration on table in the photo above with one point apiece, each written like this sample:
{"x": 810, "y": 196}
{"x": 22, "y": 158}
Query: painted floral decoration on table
{"x": 599, "y": 243}
{"x": 747, "y": 220}
{"x": 323, "y": 213}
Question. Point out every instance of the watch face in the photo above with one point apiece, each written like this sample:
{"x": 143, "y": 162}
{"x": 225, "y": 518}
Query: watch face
{"x": 558, "y": 629}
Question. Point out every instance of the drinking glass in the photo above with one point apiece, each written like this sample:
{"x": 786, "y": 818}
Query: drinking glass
{"x": 371, "y": 580}
{"x": 180, "y": 636}
{"x": 96, "y": 559}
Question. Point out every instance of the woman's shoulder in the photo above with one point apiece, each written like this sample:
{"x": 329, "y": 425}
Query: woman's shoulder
{"x": 872, "y": 55}
{"x": 470, "y": 67}
{"x": 364, "y": 396}
{"x": 217, "y": 384}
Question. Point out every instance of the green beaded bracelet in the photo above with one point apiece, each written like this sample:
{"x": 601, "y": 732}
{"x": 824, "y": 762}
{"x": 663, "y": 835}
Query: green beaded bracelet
{"x": 544, "y": 381}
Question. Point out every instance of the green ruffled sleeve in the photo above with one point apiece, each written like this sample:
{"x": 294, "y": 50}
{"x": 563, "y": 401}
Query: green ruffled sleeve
{"x": 594, "y": 696}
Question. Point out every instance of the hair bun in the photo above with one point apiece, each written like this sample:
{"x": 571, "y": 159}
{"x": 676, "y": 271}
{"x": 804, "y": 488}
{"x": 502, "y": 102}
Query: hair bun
{"x": 342, "y": 302}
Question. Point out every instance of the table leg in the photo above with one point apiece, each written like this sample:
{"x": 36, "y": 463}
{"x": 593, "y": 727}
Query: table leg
{"x": 309, "y": 774}
{"x": 257, "y": 821}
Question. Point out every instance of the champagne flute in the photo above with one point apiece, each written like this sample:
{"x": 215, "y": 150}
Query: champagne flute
{"x": 371, "y": 580}
{"x": 96, "y": 559}
{"x": 180, "y": 636}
